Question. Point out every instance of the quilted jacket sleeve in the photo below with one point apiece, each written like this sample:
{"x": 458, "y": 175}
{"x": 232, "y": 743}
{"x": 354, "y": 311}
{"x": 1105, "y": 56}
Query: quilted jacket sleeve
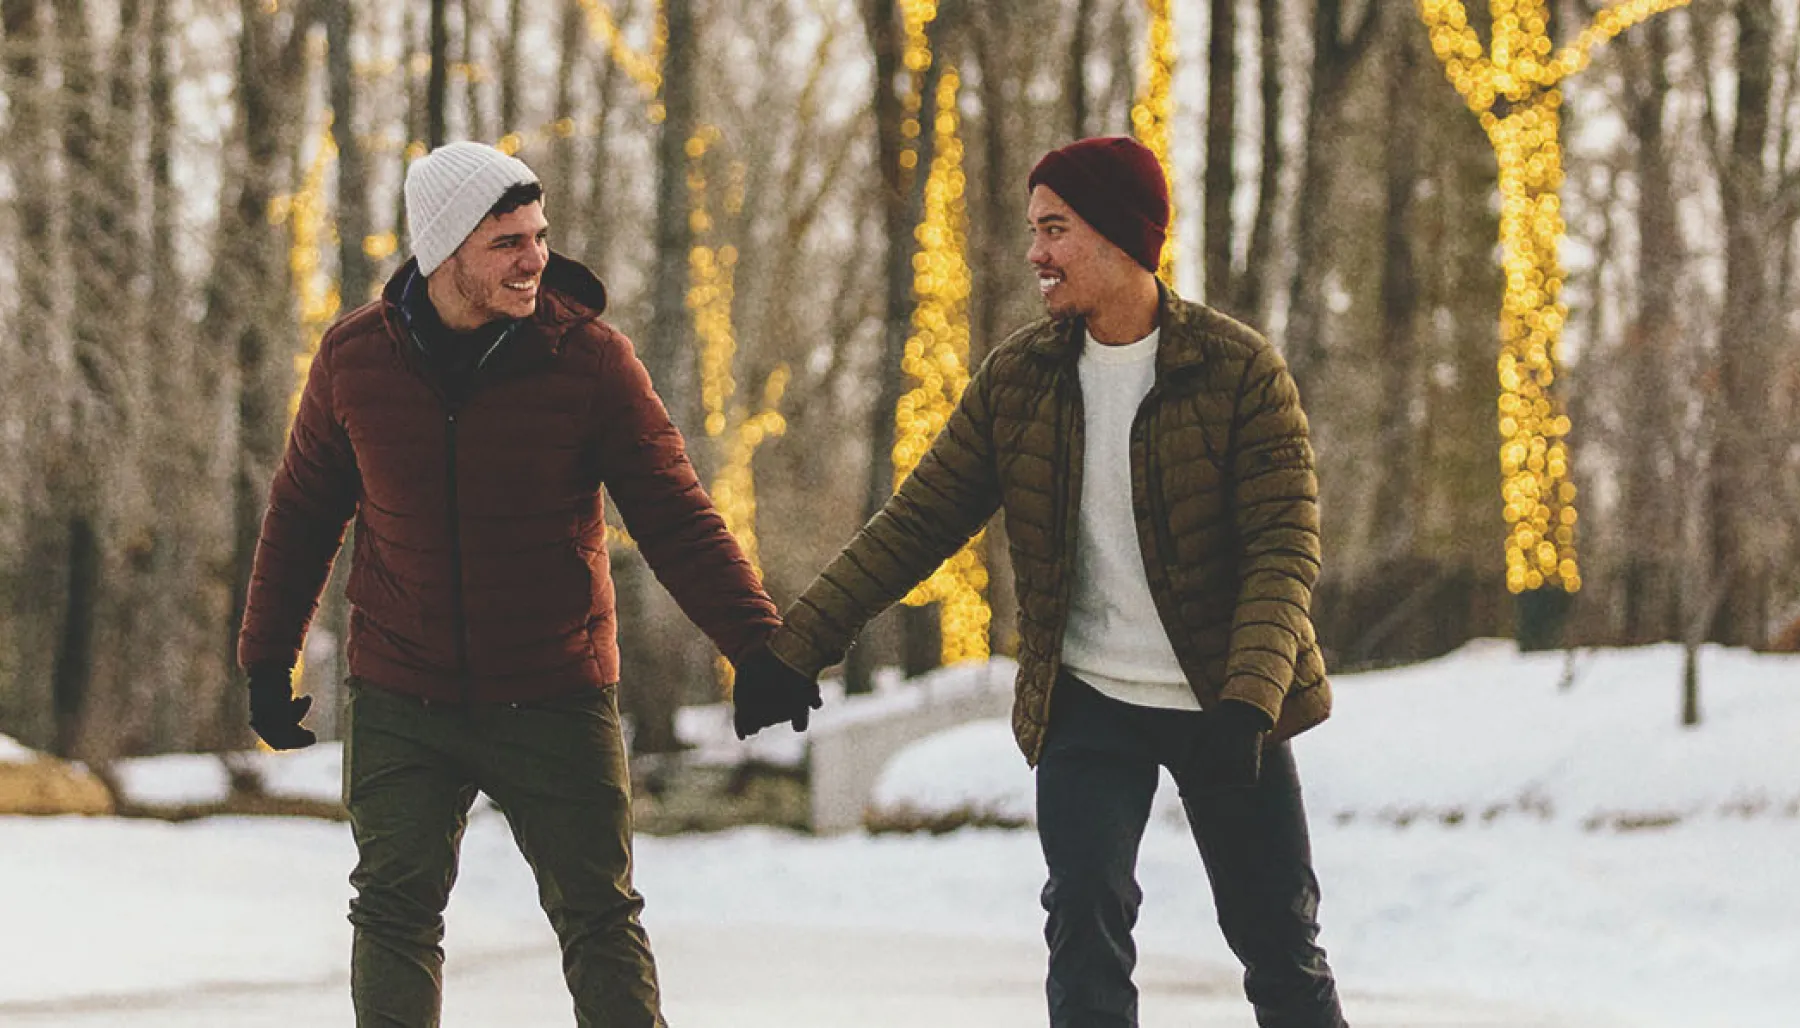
{"x": 313, "y": 497}
{"x": 682, "y": 536}
{"x": 1276, "y": 517}
{"x": 935, "y": 512}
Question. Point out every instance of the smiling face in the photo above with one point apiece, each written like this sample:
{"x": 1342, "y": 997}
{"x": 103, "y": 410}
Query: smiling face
{"x": 1079, "y": 271}
{"x": 496, "y": 272}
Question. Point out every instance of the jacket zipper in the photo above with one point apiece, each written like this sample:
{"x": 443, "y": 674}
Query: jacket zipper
{"x": 458, "y": 616}
{"x": 1069, "y": 496}
{"x": 459, "y": 626}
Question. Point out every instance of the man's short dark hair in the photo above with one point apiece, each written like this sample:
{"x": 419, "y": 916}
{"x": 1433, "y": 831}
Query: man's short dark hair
{"x": 515, "y": 198}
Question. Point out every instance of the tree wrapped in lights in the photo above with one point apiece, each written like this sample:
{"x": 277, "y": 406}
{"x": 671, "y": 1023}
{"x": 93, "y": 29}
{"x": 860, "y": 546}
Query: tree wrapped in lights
{"x": 1513, "y": 89}
{"x": 311, "y": 231}
{"x": 937, "y": 350}
{"x": 1154, "y": 110}
{"x": 734, "y": 431}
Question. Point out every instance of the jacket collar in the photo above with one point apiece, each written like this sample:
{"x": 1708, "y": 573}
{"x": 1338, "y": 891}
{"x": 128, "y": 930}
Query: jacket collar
{"x": 571, "y": 295}
{"x": 1181, "y": 348}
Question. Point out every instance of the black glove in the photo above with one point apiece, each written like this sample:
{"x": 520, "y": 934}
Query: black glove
{"x": 275, "y": 711}
{"x": 768, "y": 692}
{"x": 1228, "y": 754}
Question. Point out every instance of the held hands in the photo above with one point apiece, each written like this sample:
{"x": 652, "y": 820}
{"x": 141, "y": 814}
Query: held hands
{"x": 768, "y": 692}
{"x": 1228, "y": 754}
{"x": 275, "y": 711}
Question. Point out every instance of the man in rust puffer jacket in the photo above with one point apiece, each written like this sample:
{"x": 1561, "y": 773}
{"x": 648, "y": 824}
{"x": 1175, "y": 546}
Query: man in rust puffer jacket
{"x": 468, "y": 420}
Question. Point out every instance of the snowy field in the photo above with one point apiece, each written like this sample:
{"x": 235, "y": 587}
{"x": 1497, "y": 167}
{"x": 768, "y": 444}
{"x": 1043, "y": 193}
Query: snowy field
{"x": 1495, "y": 849}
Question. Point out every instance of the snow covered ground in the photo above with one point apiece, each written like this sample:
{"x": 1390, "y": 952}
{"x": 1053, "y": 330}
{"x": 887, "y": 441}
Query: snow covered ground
{"x": 1467, "y": 825}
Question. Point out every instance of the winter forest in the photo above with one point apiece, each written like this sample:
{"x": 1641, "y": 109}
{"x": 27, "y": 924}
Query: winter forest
{"x": 1546, "y": 330}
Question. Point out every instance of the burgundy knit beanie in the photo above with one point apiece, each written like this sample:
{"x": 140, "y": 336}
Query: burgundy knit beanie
{"x": 1116, "y": 184}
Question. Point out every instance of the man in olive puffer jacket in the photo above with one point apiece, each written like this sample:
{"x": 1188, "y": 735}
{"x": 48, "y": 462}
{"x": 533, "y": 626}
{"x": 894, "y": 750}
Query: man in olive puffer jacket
{"x": 1153, "y": 464}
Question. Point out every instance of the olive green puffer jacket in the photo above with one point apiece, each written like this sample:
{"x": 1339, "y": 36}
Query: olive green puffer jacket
{"x": 1227, "y": 517}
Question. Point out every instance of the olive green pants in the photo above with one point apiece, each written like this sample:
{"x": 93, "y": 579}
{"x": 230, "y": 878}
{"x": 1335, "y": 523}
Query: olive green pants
{"x": 557, "y": 770}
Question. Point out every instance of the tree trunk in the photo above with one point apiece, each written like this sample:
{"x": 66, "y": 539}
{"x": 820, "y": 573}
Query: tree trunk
{"x": 567, "y": 209}
{"x": 1741, "y": 454}
{"x": 354, "y": 274}
{"x": 881, "y": 23}
{"x": 1396, "y": 494}
{"x": 472, "y": 106}
{"x": 595, "y": 238}
{"x": 1075, "y": 72}
{"x": 1252, "y": 299}
{"x": 1647, "y": 509}
{"x": 1221, "y": 149}
{"x": 33, "y": 350}
{"x": 668, "y": 351}
{"x": 509, "y": 68}
{"x": 1333, "y": 61}
{"x": 250, "y": 299}
{"x": 438, "y": 89}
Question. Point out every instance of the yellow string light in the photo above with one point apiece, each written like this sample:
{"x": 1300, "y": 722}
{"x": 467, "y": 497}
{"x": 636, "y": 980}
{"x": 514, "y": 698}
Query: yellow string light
{"x": 643, "y": 69}
{"x": 937, "y": 350}
{"x": 1154, "y": 112}
{"x": 1513, "y": 90}
{"x": 733, "y": 430}
{"x": 311, "y": 229}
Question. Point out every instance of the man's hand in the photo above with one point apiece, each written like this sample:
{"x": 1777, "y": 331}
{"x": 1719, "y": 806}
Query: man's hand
{"x": 275, "y": 711}
{"x": 1228, "y": 754}
{"x": 768, "y": 692}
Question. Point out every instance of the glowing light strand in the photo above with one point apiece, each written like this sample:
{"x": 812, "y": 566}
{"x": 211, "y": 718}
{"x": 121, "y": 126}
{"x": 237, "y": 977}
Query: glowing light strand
{"x": 937, "y": 350}
{"x": 1512, "y": 88}
{"x": 1154, "y": 111}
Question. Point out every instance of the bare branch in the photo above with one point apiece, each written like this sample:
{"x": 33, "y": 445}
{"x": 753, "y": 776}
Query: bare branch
{"x": 1606, "y": 24}
{"x": 1709, "y": 111}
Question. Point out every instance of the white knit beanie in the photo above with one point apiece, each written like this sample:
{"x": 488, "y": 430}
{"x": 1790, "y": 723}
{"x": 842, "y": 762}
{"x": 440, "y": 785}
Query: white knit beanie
{"x": 449, "y": 191}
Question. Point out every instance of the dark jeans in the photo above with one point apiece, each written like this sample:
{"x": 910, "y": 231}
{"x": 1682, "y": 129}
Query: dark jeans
{"x": 558, "y": 772}
{"x": 1095, "y": 780}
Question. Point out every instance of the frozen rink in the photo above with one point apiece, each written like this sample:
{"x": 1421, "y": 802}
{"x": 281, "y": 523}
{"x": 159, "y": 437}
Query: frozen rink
{"x": 747, "y": 977}
{"x": 1466, "y": 819}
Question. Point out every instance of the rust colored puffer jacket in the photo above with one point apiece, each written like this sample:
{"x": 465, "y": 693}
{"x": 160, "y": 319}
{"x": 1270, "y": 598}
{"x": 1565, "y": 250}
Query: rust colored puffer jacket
{"x": 480, "y": 571}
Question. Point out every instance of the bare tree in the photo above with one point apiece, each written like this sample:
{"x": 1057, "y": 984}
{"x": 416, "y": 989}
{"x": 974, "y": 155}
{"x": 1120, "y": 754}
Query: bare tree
{"x": 1397, "y": 358}
{"x": 1252, "y": 299}
{"x": 1647, "y": 486}
{"x": 1335, "y": 56}
{"x": 354, "y": 273}
{"x": 474, "y": 109}
{"x": 34, "y": 368}
{"x": 562, "y": 146}
{"x": 1221, "y": 150}
{"x": 438, "y": 91}
{"x": 1075, "y": 73}
{"x": 250, "y": 308}
{"x": 1742, "y": 454}
{"x": 509, "y": 67}
{"x": 668, "y": 354}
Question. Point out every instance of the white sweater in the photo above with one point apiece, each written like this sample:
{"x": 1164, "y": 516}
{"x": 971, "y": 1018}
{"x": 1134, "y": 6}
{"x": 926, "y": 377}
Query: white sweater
{"x": 1115, "y": 639}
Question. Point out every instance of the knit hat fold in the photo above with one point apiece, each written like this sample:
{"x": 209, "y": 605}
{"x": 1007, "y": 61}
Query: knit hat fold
{"x": 449, "y": 191}
{"x": 1117, "y": 185}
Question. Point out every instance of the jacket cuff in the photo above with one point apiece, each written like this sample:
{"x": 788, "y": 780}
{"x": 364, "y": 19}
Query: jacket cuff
{"x": 789, "y": 647}
{"x": 1255, "y": 691}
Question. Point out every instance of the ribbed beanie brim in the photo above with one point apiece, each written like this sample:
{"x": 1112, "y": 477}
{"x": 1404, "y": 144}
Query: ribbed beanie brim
{"x": 1117, "y": 185}
{"x": 449, "y": 191}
